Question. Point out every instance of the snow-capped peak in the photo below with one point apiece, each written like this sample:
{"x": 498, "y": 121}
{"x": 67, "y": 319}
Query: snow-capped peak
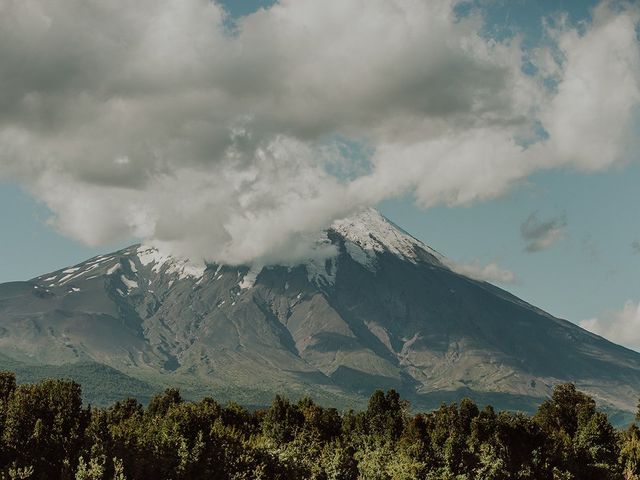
{"x": 184, "y": 268}
{"x": 365, "y": 236}
{"x": 369, "y": 233}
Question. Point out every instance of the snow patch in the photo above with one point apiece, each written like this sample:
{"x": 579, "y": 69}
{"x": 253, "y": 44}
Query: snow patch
{"x": 113, "y": 269}
{"x": 131, "y": 284}
{"x": 65, "y": 278}
{"x": 368, "y": 233}
{"x": 189, "y": 270}
{"x": 169, "y": 264}
{"x": 98, "y": 260}
{"x": 133, "y": 266}
{"x": 81, "y": 272}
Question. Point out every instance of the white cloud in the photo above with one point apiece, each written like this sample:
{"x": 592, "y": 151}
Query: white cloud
{"x": 542, "y": 234}
{"x": 491, "y": 272}
{"x": 621, "y": 326}
{"x": 149, "y": 119}
{"x": 588, "y": 117}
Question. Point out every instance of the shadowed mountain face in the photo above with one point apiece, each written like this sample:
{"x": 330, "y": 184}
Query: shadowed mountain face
{"x": 384, "y": 312}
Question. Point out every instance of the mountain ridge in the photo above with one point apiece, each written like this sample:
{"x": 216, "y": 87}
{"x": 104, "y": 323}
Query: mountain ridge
{"x": 385, "y": 311}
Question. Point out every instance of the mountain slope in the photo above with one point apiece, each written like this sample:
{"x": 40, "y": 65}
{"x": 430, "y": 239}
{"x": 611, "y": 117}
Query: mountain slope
{"x": 384, "y": 312}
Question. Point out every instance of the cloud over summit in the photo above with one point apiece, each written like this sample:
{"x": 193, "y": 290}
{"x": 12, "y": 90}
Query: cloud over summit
{"x": 151, "y": 119}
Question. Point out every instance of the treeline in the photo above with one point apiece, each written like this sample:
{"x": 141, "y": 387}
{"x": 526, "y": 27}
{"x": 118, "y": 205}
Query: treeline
{"x": 47, "y": 433}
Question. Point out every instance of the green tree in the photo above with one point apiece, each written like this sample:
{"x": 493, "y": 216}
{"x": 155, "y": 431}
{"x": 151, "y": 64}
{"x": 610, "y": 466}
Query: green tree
{"x": 282, "y": 421}
{"x": 630, "y": 453}
{"x": 44, "y": 427}
{"x": 583, "y": 442}
{"x": 322, "y": 423}
{"x": 560, "y": 414}
{"x": 160, "y": 404}
{"x": 386, "y": 414}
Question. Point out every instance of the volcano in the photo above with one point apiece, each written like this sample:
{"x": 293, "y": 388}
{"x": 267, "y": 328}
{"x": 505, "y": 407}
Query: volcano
{"x": 385, "y": 311}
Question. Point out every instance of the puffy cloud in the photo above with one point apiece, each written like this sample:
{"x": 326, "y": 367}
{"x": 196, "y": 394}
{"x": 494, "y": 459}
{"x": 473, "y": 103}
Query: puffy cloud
{"x": 621, "y": 326}
{"x": 542, "y": 234}
{"x": 491, "y": 272}
{"x": 588, "y": 116}
{"x": 152, "y": 119}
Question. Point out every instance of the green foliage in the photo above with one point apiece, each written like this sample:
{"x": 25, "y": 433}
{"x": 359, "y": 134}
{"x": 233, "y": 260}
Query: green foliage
{"x": 13, "y": 472}
{"x": 94, "y": 470}
{"x": 160, "y": 404}
{"x": 385, "y": 415}
{"x": 630, "y": 453}
{"x": 101, "y": 384}
{"x": 44, "y": 426}
{"x": 7, "y": 386}
{"x": 47, "y": 433}
{"x": 282, "y": 421}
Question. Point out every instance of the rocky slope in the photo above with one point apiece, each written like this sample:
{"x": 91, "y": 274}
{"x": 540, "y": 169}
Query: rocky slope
{"x": 384, "y": 312}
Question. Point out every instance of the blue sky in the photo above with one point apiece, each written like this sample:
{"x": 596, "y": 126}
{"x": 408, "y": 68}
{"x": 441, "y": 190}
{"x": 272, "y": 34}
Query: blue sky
{"x": 591, "y": 268}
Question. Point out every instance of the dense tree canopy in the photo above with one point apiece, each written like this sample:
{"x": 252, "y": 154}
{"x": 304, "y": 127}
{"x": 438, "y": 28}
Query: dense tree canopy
{"x": 47, "y": 433}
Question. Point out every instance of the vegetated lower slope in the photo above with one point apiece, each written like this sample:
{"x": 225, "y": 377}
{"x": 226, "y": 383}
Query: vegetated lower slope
{"x": 385, "y": 312}
{"x": 101, "y": 384}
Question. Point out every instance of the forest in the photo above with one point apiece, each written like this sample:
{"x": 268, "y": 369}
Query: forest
{"x": 46, "y": 432}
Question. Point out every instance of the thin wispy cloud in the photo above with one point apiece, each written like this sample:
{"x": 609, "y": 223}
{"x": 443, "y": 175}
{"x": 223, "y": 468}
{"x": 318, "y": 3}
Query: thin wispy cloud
{"x": 152, "y": 119}
{"x": 542, "y": 234}
{"x": 491, "y": 272}
{"x": 635, "y": 246}
{"x": 620, "y": 326}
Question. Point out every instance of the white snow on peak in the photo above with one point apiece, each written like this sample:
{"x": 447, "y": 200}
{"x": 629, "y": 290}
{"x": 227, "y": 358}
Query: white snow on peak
{"x": 70, "y": 274}
{"x": 65, "y": 278}
{"x": 368, "y": 233}
{"x": 190, "y": 270}
{"x": 182, "y": 267}
{"x": 151, "y": 255}
{"x": 113, "y": 269}
{"x": 131, "y": 284}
